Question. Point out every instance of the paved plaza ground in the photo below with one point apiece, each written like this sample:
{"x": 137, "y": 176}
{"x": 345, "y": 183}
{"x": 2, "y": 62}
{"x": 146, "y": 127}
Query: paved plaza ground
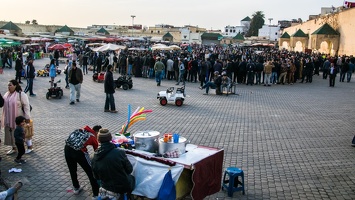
{"x": 292, "y": 141}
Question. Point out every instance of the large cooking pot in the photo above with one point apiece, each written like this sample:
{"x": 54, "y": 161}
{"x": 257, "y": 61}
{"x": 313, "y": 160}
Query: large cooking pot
{"x": 147, "y": 141}
{"x": 170, "y": 146}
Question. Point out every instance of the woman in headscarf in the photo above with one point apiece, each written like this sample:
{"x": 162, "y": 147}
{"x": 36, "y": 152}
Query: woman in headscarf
{"x": 16, "y": 104}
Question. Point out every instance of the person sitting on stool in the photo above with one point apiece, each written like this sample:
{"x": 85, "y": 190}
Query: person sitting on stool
{"x": 215, "y": 84}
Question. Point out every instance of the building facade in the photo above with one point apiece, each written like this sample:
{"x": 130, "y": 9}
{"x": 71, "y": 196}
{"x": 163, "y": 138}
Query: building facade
{"x": 271, "y": 32}
{"x": 341, "y": 21}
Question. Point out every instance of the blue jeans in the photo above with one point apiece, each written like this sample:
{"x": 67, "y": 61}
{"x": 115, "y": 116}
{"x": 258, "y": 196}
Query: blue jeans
{"x": 181, "y": 77}
{"x": 163, "y": 74}
{"x": 29, "y": 86}
{"x": 74, "y": 89}
{"x": 151, "y": 72}
{"x": 10, "y": 193}
{"x": 348, "y": 76}
{"x": 258, "y": 77}
{"x": 66, "y": 80}
{"x": 85, "y": 69}
{"x": 129, "y": 70}
{"x": 110, "y": 102}
{"x": 274, "y": 77}
{"x": 158, "y": 76}
{"x": 209, "y": 85}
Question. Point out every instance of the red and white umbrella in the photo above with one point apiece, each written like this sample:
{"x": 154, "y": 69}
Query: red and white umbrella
{"x": 57, "y": 47}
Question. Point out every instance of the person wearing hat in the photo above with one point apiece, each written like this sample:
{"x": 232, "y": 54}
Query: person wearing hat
{"x": 215, "y": 84}
{"x": 82, "y": 157}
{"x": 226, "y": 82}
{"x": 111, "y": 166}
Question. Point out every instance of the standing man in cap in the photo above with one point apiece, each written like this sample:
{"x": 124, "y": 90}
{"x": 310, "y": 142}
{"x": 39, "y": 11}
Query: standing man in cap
{"x": 112, "y": 167}
{"x": 75, "y": 81}
{"x": 81, "y": 156}
{"x": 158, "y": 68}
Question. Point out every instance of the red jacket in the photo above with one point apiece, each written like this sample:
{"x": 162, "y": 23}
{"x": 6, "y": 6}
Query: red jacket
{"x": 189, "y": 65}
{"x": 91, "y": 141}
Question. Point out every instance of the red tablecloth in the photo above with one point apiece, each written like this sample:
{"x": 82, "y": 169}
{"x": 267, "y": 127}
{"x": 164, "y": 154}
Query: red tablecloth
{"x": 207, "y": 176}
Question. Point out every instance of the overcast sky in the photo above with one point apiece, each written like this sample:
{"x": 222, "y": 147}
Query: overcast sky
{"x": 202, "y": 13}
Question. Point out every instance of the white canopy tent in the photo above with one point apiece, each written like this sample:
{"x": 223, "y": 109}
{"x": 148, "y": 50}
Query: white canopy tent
{"x": 109, "y": 47}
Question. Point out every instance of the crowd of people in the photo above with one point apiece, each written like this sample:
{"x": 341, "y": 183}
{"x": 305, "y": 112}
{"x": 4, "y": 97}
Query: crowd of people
{"x": 243, "y": 65}
{"x": 212, "y": 66}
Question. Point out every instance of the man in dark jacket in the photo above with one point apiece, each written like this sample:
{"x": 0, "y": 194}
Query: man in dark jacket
{"x": 109, "y": 85}
{"x": 75, "y": 80}
{"x": 250, "y": 72}
{"x": 85, "y": 63}
{"x": 18, "y": 68}
{"x": 242, "y": 69}
{"x": 332, "y": 74}
{"x": 112, "y": 167}
{"x": 30, "y": 75}
{"x": 98, "y": 64}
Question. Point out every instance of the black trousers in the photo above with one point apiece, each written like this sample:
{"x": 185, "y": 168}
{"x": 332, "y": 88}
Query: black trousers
{"x": 18, "y": 76}
{"x": 332, "y": 80}
{"x": 74, "y": 157}
{"x": 325, "y": 74}
{"x": 20, "y": 150}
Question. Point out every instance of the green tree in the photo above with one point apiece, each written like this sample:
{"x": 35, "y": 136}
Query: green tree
{"x": 256, "y": 23}
{"x": 34, "y": 21}
{"x": 27, "y": 22}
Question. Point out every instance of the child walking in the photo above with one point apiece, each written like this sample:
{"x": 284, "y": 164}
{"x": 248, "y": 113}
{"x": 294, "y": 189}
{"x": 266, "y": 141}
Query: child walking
{"x": 19, "y": 135}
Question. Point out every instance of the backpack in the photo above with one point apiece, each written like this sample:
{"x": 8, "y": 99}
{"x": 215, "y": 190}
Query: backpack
{"x": 77, "y": 139}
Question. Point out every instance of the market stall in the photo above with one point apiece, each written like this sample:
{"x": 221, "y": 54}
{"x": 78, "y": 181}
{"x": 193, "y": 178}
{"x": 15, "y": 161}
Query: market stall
{"x": 196, "y": 170}
{"x": 197, "y": 173}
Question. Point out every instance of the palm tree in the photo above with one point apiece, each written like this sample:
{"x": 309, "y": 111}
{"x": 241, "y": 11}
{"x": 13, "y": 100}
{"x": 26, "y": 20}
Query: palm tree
{"x": 256, "y": 23}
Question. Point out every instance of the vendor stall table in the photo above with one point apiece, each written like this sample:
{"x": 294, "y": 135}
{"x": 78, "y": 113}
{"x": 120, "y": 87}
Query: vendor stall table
{"x": 197, "y": 173}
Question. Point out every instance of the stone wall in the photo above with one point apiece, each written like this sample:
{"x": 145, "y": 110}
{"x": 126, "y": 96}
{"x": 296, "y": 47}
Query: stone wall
{"x": 343, "y": 22}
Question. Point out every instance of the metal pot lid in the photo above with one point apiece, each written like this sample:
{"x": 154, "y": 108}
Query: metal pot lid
{"x": 146, "y": 134}
{"x": 181, "y": 140}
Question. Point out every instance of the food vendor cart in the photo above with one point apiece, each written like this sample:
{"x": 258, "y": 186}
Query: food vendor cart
{"x": 197, "y": 173}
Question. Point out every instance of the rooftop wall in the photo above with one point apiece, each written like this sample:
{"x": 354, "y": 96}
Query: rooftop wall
{"x": 343, "y": 22}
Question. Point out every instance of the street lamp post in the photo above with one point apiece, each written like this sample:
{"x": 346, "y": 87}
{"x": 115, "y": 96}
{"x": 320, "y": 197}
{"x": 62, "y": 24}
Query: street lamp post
{"x": 270, "y": 19}
{"x": 133, "y": 16}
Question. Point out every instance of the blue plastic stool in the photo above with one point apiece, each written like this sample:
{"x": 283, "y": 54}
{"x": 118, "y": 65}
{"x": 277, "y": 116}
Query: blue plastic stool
{"x": 233, "y": 173}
